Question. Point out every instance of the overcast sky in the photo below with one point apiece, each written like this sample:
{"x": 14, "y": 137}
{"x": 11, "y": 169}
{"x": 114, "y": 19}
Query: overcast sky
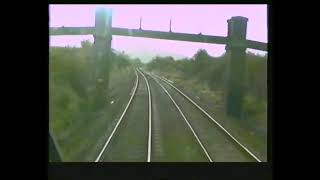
{"x": 207, "y": 19}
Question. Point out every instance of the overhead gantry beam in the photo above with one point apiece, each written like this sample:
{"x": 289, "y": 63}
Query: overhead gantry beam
{"x": 55, "y": 31}
{"x": 169, "y": 35}
{"x": 156, "y": 35}
{"x": 257, "y": 45}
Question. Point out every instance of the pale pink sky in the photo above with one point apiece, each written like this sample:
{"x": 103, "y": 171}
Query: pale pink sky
{"x": 207, "y": 19}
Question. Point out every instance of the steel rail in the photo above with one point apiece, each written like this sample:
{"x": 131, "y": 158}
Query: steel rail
{"x": 208, "y": 115}
{"x": 150, "y": 116}
{"x": 184, "y": 117}
{"x": 121, "y": 117}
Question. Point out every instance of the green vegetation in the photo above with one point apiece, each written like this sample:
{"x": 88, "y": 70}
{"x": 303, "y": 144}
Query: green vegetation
{"x": 207, "y": 75}
{"x": 73, "y": 82}
{"x": 80, "y": 118}
{"x": 204, "y": 78}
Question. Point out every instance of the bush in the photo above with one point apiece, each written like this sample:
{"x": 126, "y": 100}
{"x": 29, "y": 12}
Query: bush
{"x": 253, "y": 107}
{"x": 207, "y": 71}
{"x": 64, "y": 105}
{"x": 73, "y": 84}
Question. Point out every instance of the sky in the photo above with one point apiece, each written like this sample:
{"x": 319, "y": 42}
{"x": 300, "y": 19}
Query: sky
{"x": 207, "y": 19}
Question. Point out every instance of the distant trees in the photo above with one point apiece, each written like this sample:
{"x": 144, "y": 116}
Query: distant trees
{"x": 163, "y": 63}
{"x": 121, "y": 60}
{"x": 137, "y": 62}
{"x": 86, "y": 44}
{"x": 212, "y": 71}
{"x": 201, "y": 55}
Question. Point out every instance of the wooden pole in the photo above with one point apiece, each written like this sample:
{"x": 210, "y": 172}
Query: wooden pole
{"x": 236, "y": 47}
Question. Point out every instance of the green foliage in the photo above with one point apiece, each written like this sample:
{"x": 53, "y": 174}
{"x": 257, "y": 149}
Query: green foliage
{"x": 253, "y": 106}
{"x": 162, "y": 63}
{"x": 74, "y": 87}
{"x": 121, "y": 60}
{"x": 64, "y": 106}
{"x": 137, "y": 62}
{"x": 211, "y": 72}
{"x": 86, "y": 44}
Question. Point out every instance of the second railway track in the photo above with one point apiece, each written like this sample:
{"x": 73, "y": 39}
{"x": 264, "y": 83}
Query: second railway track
{"x": 220, "y": 144}
{"x": 173, "y": 139}
{"x": 129, "y": 140}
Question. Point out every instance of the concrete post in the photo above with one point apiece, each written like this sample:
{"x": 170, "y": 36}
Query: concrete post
{"x": 236, "y": 47}
{"x": 102, "y": 45}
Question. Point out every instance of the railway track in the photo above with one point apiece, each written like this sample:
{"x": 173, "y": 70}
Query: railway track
{"x": 131, "y": 129}
{"x": 210, "y": 131}
{"x": 173, "y": 139}
{"x": 195, "y": 135}
{"x": 179, "y": 130}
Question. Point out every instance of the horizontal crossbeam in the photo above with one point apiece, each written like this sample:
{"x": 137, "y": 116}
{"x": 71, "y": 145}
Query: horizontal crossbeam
{"x": 169, "y": 35}
{"x": 156, "y": 35}
{"x": 54, "y": 31}
{"x": 257, "y": 45}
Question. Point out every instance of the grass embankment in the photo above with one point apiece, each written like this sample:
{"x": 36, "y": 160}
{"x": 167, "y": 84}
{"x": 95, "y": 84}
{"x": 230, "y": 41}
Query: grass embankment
{"x": 80, "y": 126}
{"x": 204, "y": 79}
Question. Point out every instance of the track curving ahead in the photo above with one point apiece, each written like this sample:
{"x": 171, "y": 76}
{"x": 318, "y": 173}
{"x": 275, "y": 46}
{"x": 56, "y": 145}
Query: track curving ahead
{"x": 174, "y": 129}
{"x": 194, "y": 134}
{"x": 150, "y": 116}
{"x": 215, "y": 138}
{"x": 128, "y": 142}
